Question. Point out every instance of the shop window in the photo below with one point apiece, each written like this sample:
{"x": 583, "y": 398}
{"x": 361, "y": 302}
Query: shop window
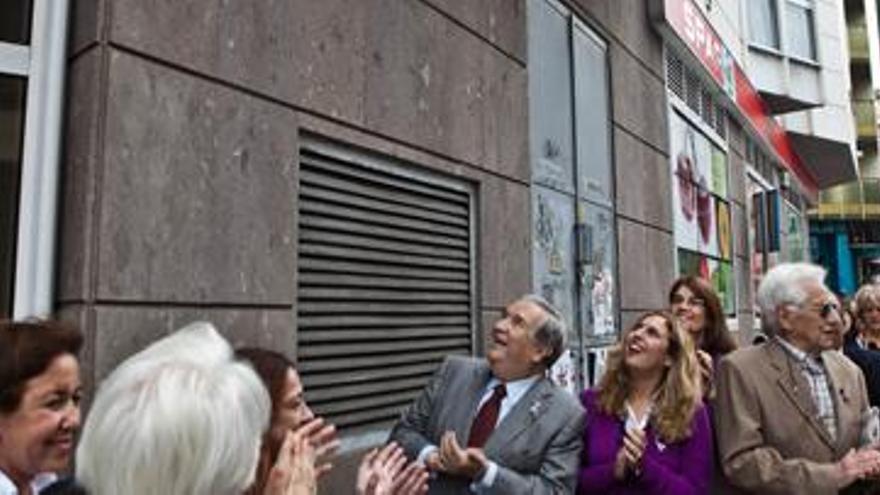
{"x": 764, "y": 23}
{"x": 385, "y": 282}
{"x": 12, "y": 104}
{"x": 573, "y": 219}
{"x": 15, "y": 23}
{"x": 702, "y": 208}
{"x": 800, "y": 29}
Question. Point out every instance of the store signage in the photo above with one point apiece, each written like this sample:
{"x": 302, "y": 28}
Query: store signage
{"x": 691, "y": 28}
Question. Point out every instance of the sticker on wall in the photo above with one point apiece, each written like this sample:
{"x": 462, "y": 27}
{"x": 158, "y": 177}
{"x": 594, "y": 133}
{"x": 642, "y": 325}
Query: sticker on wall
{"x": 597, "y": 273}
{"x": 562, "y": 373}
{"x": 552, "y": 254}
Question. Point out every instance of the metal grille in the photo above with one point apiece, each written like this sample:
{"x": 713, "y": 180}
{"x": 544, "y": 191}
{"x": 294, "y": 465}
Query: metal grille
{"x": 675, "y": 74}
{"x": 693, "y": 91}
{"x": 708, "y": 108}
{"x": 384, "y": 283}
{"x": 721, "y": 121}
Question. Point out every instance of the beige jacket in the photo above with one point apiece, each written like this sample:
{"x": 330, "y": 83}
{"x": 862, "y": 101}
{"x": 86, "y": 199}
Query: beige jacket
{"x": 769, "y": 438}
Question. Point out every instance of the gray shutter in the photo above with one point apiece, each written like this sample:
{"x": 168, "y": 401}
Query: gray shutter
{"x": 384, "y": 282}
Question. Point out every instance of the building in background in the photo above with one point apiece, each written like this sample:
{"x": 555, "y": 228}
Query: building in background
{"x": 844, "y": 228}
{"x": 363, "y": 184}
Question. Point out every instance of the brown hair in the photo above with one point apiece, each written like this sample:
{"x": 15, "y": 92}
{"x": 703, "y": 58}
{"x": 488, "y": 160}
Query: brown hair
{"x": 678, "y": 394}
{"x": 715, "y": 338}
{"x": 272, "y": 368}
{"x": 27, "y": 348}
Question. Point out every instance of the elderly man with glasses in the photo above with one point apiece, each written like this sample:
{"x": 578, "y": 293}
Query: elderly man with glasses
{"x": 789, "y": 412}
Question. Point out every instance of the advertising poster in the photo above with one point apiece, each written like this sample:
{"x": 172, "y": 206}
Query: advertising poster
{"x": 724, "y": 228}
{"x": 722, "y": 282}
{"x": 719, "y": 172}
{"x": 684, "y": 191}
{"x": 708, "y": 238}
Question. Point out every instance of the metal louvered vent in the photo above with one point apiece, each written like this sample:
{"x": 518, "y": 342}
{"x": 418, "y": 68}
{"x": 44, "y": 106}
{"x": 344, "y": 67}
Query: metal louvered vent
{"x": 708, "y": 108}
{"x": 693, "y": 91}
{"x": 675, "y": 74}
{"x": 384, "y": 282}
{"x": 721, "y": 121}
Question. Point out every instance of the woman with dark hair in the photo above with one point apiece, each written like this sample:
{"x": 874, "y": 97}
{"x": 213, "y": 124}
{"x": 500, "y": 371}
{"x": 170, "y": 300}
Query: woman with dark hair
{"x": 40, "y": 392}
{"x": 647, "y": 430}
{"x": 698, "y": 309}
{"x": 381, "y": 472}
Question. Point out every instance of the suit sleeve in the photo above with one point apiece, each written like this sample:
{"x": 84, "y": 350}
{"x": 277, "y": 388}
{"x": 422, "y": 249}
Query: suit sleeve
{"x": 412, "y": 431}
{"x": 697, "y": 456}
{"x": 747, "y": 460}
{"x": 558, "y": 471}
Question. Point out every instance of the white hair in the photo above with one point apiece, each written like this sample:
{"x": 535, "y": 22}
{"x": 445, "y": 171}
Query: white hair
{"x": 784, "y": 284}
{"x": 180, "y": 417}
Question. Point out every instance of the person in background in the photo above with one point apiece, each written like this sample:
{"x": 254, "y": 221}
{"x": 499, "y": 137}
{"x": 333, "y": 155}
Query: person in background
{"x": 40, "y": 393}
{"x": 699, "y": 312}
{"x": 788, "y": 412}
{"x": 861, "y": 344}
{"x": 184, "y": 417}
{"x": 647, "y": 430}
{"x": 498, "y": 425}
{"x": 382, "y": 471}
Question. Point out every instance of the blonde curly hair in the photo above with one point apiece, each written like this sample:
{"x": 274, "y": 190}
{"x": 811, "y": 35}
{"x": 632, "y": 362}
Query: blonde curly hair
{"x": 679, "y": 393}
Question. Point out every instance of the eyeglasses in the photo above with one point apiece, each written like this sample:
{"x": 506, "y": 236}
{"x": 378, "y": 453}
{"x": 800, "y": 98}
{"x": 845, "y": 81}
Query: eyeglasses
{"x": 826, "y": 309}
{"x": 692, "y": 301}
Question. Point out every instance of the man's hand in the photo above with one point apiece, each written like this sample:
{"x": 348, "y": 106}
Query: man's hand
{"x": 469, "y": 463}
{"x": 858, "y": 464}
{"x": 386, "y": 472}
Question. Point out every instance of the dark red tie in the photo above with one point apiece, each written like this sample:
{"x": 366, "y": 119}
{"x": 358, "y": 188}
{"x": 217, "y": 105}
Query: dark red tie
{"x": 486, "y": 418}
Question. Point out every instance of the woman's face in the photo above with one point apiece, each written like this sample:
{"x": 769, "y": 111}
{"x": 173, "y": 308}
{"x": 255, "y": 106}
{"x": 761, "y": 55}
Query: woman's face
{"x": 293, "y": 411}
{"x": 690, "y": 309}
{"x": 39, "y": 435}
{"x": 646, "y": 346}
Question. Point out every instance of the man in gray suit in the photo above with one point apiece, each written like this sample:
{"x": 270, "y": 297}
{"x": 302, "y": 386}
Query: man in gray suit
{"x": 499, "y": 426}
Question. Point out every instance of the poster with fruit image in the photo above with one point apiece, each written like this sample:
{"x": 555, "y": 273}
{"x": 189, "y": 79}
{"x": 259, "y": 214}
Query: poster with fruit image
{"x": 724, "y": 237}
{"x": 706, "y": 223}
{"x": 719, "y": 172}
{"x": 684, "y": 191}
{"x": 722, "y": 282}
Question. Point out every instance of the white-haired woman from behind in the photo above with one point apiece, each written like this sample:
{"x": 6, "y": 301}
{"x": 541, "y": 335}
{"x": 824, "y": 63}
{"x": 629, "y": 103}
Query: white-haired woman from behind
{"x": 184, "y": 417}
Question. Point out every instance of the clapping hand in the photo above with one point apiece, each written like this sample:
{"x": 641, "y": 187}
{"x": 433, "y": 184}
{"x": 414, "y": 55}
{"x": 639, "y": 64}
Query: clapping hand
{"x": 629, "y": 457}
{"x": 453, "y": 459}
{"x": 386, "y": 472}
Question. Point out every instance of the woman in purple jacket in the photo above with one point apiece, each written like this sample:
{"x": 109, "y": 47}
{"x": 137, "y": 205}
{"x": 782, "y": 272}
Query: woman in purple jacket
{"x": 647, "y": 430}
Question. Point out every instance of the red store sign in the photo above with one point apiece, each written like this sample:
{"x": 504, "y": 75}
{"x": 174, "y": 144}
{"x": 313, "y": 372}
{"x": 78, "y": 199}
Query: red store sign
{"x": 691, "y": 28}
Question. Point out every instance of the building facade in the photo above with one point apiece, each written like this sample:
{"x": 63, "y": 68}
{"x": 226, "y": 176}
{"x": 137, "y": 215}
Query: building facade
{"x": 843, "y": 230}
{"x": 363, "y": 185}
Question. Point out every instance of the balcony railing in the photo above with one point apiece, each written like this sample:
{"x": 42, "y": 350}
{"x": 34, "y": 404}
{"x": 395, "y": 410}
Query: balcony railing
{"x": 858, "y": 43}
{"x": 850, "y": 201}
{"x": 866, "y": 118}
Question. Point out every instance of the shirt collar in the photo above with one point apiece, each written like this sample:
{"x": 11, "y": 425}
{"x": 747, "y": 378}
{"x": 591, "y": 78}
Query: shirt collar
{"x": 515, "y": 389}
{"x": 40, "y": 481}
{"x": 799, "y": 355}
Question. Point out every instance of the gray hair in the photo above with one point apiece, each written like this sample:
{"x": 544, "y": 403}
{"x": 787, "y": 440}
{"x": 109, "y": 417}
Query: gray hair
{"x": 783, "y": 284}
{"x": 551, "y": 334}
{"x": 180, "y": 417}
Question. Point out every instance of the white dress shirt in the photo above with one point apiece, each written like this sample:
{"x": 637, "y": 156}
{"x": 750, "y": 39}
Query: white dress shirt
{"x": 40, "y": 481}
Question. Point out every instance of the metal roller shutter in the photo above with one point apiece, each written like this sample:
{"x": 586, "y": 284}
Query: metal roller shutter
{"x": 385, "y": 285}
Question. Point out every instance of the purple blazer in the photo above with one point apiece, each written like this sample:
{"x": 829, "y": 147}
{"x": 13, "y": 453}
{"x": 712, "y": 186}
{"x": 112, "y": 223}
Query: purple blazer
{"x": 682, "y": 468}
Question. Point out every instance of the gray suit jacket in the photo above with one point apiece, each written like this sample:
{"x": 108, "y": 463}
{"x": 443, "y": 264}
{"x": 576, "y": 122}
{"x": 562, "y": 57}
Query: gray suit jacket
{"x": 769, "y": 439}
{"x": 536, "y": 446}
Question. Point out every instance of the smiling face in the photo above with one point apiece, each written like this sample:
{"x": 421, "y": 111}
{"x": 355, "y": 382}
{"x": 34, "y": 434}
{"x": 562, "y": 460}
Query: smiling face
{"x": 292, "y": 411}
{"x": 514, "y": 354}
{"x": 646, "y": 346}
{"x": 39, "y": 435}
{"x": 690, "y": 309}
